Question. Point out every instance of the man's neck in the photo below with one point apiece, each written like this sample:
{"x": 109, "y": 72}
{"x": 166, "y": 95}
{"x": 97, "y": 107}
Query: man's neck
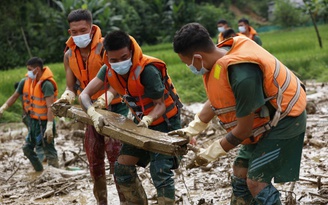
{"x": 85, "y": 52}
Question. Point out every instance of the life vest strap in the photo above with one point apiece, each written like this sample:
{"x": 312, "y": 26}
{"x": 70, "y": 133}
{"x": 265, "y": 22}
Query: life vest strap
{"x": 262, "y": 129}
{"x": 223, "y": 110}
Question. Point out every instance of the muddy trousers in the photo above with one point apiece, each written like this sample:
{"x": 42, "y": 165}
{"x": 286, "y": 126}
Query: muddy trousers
{"x": 96, "y": 146}
{"x": 49, "y": 151}
{"x": 242, "y": 196}
{"x": 161, "y": 173}
{"x": 35, "y": 138}
{"x": 38, "y": 148}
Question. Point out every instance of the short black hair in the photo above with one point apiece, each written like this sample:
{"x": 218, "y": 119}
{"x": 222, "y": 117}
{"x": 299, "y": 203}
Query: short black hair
{"x": 192, "y": 37}
{"x": 244, "y": 20}
{"x": 228, "y": 33}
{"x": 35, "y": 62}
{"x": 79, "y": 15}
{"x": 222, "y": 21}
{"x": 117, "y": 40}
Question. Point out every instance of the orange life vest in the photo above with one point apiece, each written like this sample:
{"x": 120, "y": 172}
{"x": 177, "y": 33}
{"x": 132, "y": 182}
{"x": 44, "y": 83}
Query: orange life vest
{"x": 252, "y": 33}
{"x": 33, "y": 98}
{"x": 133, "y": 91}
{"x": 220, "y": 37}
{"x": 282, "y": 88}
{"x": 86, "y": 71}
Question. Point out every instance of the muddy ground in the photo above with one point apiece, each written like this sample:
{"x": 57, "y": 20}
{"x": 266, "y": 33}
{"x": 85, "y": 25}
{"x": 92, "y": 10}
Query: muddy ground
{"x": 71, "y": 184}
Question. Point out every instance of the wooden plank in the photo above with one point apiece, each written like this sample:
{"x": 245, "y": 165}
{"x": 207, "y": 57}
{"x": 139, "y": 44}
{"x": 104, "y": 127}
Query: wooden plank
{"x": 126, "y": 130}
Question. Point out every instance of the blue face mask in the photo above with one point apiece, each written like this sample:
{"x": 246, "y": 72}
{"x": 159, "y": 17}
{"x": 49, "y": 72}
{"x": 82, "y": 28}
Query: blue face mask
{"x": 221, "y": 29}
{"x": 122, "y": 67}
{"x": 193, "y": 69}
{"x": 31, "y": 75}
{"x": 242, "y": 29}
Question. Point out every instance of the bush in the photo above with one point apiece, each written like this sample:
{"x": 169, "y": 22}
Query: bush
{"x": 287, "y": 15}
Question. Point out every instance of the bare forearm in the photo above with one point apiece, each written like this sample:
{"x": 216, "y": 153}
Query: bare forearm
{"x": 158, "y": 111}
{"x": 49, "y": 102}
{"x": 50, "y": 115}
{"x": 85, "y": 101}
{"x": 242, "y": 131}
{"x": 206, "y": 114}
{"x": 12, "y": 99}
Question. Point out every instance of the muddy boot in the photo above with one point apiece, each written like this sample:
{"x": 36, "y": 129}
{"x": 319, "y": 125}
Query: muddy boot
{"x": 100, "y": 190}
{"x": 134, "y": 193}
{"x": 120, "y": 194}
{"x": 40, "y": 153}
{"x": 31, "y": 155}
{"x": 268, "y": 195}
{"x": 165, "y": 201}
{"x": 53, "y": 162}
{"x": 240, "y": 192}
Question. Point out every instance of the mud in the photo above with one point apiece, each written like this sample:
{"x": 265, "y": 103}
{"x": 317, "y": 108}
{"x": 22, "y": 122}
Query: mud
{"x": 71, "y": 183}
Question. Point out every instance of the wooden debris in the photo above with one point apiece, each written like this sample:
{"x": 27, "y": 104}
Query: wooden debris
{"x": 12, "y": 174}
{"x": 78, "y": 156}
{"x": 185, "y": 200}
{"x": 317, "y": 181}
{"x": 63, "y": 188}
{"x": 317, "y": 143}
{"x": 291, "y": 198}
{"x": 318, "y": 195}
{"x": 124, "y": 129}
{"x": 46, "y": 195}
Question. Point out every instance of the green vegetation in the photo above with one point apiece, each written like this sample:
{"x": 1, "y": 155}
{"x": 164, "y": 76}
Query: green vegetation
{"x": 298, "y": 49}
{"x": 39, "y": 27}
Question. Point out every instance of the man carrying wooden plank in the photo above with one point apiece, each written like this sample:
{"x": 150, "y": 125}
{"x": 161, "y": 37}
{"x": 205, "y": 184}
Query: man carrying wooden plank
{"x": 147, "y": 89}
{"x": 82, "y": 61}
{"x": 260, "y": 103}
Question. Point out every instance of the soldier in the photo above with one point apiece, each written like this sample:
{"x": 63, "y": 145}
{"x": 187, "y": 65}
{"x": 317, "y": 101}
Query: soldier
{"x": 260, "y": 103}
{"x": 38, "y": 90}
{"x": 82, "y": 61}
{"x": 146, "y": 87}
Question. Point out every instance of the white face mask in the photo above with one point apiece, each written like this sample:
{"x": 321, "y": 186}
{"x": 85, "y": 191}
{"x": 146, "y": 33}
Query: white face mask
{"x": 193, "y": 69}
{"x": 82, "y": 41}
{"x": 30, "y": 74}
{"x": 242, "y": 29}
{"x": 121, "y": 67}
{"x": 221, "y": 29}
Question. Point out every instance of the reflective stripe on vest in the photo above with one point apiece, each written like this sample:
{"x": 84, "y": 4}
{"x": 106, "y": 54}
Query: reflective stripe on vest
{"x": 33, "y": 98}
{"x": 281, "y": 86}
{"x": 133, "y": 87}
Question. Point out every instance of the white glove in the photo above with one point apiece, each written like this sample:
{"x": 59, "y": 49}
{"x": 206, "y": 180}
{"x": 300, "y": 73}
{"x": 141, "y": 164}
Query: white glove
{"x": 210, "y": 154}
{"x": 49, "y": 132}
{"x": 145, "y": 122}
{"x": 194, "y": 128}
{"x": 67, "y": 97}
{"x": 98, "y": 120}
{"x": 101, "y": 100}
{"x": 3, "y": 108}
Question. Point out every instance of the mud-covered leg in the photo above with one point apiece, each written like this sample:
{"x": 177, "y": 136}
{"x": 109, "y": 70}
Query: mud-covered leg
{"x": 100, "y": 190}
{"x": 240, "y": 192}
{"x": 113, "y": 148}
{"x": 268, "y": 195}
{"x": 95, "y": 149}
{"x": 162, "y": 175}
{"x": 28, "y": 150}
{"x": 130, "y": 184}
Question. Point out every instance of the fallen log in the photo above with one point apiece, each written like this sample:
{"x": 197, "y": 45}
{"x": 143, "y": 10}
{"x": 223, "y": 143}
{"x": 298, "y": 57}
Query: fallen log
{"x": 126, "y": 130}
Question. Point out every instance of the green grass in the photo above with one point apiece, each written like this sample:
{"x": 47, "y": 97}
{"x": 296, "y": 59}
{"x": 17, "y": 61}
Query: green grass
{"x": 298, "y": 49}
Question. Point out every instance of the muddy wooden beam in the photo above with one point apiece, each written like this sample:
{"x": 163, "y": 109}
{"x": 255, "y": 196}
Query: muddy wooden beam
{"x": 124, "y": 129}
